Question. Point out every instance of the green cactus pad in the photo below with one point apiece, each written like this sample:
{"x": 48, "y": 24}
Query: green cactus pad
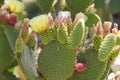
{"x": 46, "y": 5}
{"x": 28, "y": 64}
{"x": 44, "y": 38}
{"x": 118, "y": 40}
{"x": 62, "y": 36}
{"x": 97, "y": 41}
{"x": 12, "y": 35}
{"x": 76, "y": 6}
{"x": 92, "y": 19}
{"x": 77, "y": 35}
{"x": 31, "y": 41}
{"x": 95, "y": 68}
{"x": 56, "y": 61}
{"x": 106, "y": 47}
{"x": 6, "y": 54}
{"x": 106, "y": 72}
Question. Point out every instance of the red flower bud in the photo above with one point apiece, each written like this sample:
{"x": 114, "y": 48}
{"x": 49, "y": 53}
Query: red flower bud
{"x": 80, "y": 67}
{"x": 4, "y": 16}
{"x": 13, "y": 18}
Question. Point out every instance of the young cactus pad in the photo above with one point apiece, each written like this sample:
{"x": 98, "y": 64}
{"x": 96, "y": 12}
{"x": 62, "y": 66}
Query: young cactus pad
{"x": 56, "y": 62}
{"x": 106, "y": 47}
{"x": 77, "y": 35}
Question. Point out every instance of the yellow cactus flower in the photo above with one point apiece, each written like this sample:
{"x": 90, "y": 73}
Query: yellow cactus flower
{"x": 15, "y": 6}
{"x": 40, "y": 23}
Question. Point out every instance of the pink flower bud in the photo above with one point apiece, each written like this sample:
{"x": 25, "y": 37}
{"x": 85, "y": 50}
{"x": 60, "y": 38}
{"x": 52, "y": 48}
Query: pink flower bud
{"x": 107, "y": 25}
{"x": 4, "y": 16}
{"x": 13, "y": 18}
{"x": 51, "y": 21}
{"x": 63, "y": 18}
{"x": 80, "y": 67}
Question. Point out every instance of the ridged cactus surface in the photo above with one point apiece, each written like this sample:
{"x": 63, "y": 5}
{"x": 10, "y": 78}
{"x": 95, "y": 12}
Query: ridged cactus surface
{"x": 77, "y": 35}
{"x": 56, "y": 62}
{"x": 95, "y": 68}
{"x": 106, "y": 47}
{"x": 92, "y": 19}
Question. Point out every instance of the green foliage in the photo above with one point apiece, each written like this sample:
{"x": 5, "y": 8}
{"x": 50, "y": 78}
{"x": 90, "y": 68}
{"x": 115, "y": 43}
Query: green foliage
{"x": 118, "y": 40}
{"x": 77, "y": 35}
{"x": 56, "y": 62}
{"x": 76, "y": 6}
{"x": 106, "y": 47}
{"x": 62, "y": 36}
{"x": 92, "y": 19}
{"x": 46, "y": 5}
{"x": 12, "y": 35}
{"x": 99, "y": 3}
{"x": 97, "y": 41}
{"x": 6, "y": 54}
{"x": 106, "y": 72}
{"x": 95, "y": 68}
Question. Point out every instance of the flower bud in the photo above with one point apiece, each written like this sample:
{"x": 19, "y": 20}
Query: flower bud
{"x": 4, "y": 16}
{"x": 40, "y": 23}
{"x": 80, "y": 67}
{"x": 107, "y": 25}
{"x": 78, "y": 17}
{"x": 13, "y": 18}
{"x": 15, "y": 6}
{"x": 63, "y": 18}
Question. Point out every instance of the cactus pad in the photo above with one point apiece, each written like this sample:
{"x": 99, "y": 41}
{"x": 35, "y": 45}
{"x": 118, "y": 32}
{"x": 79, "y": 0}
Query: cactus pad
{"x": 6, "y": 54}
{"x": 77, "y": 35}
{"x": 95, "y": 68}
{"x": 92, "y": 19}
{"x": 62, "y": 36}
{"x": 28, "y": 64}
{"x": 12, "y": 35}
{"x": 46, "y": 5}
{"x": 56, "y": 62}
{"x": 76, "y": 6}
{"x": 106, "y": 47}
{"x": 97, "y": 41}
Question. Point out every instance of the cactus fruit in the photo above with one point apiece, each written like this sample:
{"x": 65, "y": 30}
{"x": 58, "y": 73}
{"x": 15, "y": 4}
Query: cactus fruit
{"x": 46, "y": 5}
{"x": 13, "y": 18}
{"x": 56, "y": 61}
{"x": 4, "y": 16}
{"x": 80, "y": 67}
{"x": 106, "y": 47}
{"x": 77, "y": 35}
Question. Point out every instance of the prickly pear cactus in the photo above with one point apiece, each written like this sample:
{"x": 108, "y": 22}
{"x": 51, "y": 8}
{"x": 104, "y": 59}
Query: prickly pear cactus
{"x": 55, "y": 60}
{"x": 94, "y": 66}
{"x": 38, "y": 41}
